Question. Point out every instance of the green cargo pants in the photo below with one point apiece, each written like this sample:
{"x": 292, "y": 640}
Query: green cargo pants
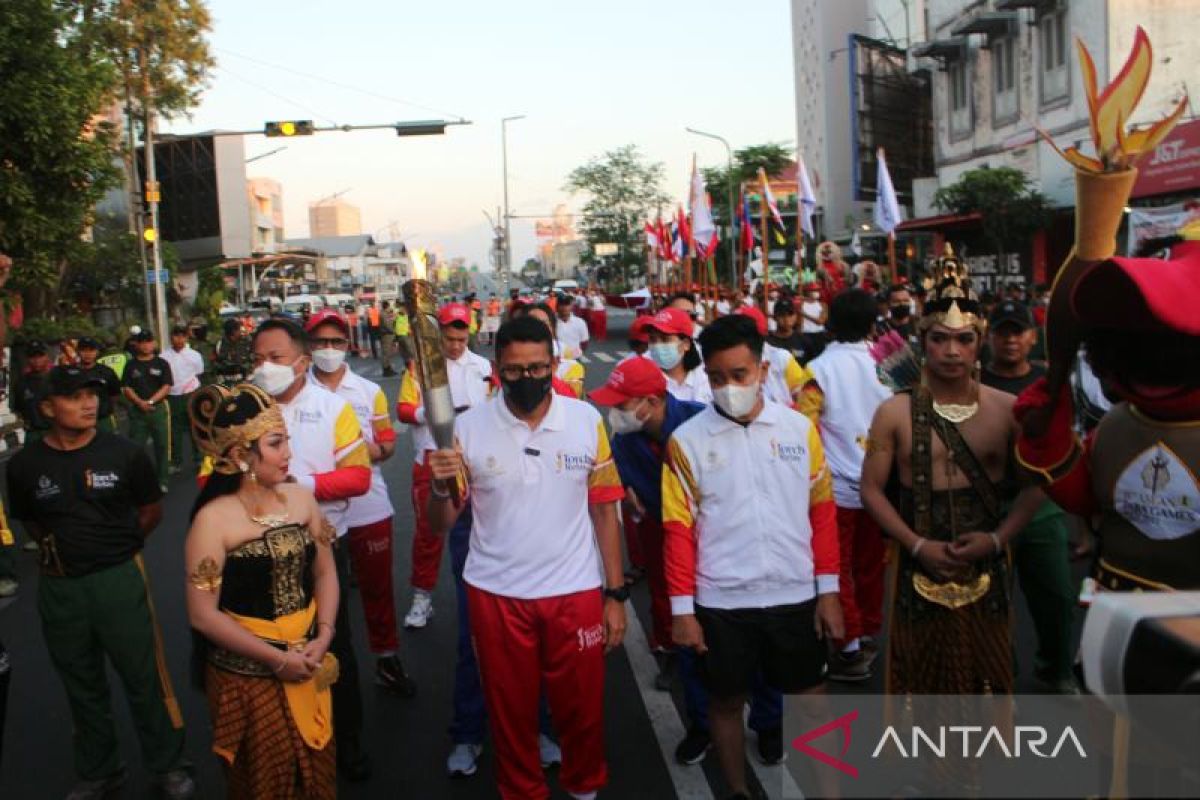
{"x": 156, "y": 426}
{"x": 109, "y": 613}
{"x": 181, "y": 429}
{"x": 1041, "y": 555}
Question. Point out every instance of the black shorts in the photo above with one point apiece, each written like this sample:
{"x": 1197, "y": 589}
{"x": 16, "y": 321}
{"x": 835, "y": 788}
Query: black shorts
{"x": 781, "y": 641}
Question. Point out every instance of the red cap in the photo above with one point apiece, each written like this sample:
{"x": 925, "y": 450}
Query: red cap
{"x": 327, "y": 316}
{"x": 1143, "y": 293}
{"x": 637, "y": 331}
{"x": 634, "y": 377}
{"x": 672, "y": 321}
{"x": 756, "y": 314}
{"x": 454, "y": 313}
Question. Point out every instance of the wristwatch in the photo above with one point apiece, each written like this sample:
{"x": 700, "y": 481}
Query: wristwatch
{"x": 620, "y": 594}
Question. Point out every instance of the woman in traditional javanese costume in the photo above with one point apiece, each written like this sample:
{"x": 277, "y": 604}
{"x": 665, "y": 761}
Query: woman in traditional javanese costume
{"x": 262, "y": 596}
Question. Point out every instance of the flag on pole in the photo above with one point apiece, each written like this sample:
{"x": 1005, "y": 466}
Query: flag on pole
{"x": 704, "y": 230}
{"x": 664, "y": 239}
{"x": 769, "y": 198}
{"x": 652, "y": 237}
{"x": 856, "y": 244}
{"x": 887, "y": 207}
{"x": 678, "y": 248}
{"x": 745, "y": 229}
{"x": 685, "y": 231}
{"x": 808, "y": 199}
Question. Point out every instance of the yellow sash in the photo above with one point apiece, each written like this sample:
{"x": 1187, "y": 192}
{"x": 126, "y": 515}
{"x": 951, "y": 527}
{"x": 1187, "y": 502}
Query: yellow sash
{"x": 310, "y": 701}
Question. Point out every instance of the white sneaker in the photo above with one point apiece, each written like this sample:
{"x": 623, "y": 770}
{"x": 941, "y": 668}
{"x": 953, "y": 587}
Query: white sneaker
{"x": 462, "y": 760}
{"x": 8, "y": 587}
{"x": 548, "y": 751}
{"x": 422, "y": 610}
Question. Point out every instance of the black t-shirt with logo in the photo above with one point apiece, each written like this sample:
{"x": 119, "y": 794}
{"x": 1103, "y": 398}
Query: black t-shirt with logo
{"x": 1011, "y": 385}
{"x": 86, "y": 498}
{"x": 147, "y": 377}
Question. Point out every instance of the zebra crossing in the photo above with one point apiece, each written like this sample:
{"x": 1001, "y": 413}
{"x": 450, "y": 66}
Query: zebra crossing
{"x": 607, "y": 358}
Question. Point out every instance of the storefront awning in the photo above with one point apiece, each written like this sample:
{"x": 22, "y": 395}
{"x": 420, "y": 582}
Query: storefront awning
{"x": 950, "y": 49}
{"x": 941, "y": 222}
{"x": 989, "y": 23}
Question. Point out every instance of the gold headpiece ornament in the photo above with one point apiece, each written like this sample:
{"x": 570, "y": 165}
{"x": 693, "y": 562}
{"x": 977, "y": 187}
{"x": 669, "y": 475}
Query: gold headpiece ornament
{"x": 216, "y": 441}
{"x": 951, "y": 301}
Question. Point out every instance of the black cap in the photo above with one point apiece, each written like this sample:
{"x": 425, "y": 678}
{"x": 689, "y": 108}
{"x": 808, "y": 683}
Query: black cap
{"x": 87, "y": 343}
{"x": 66, "y": 381}
{"x": 143, "y": 336}
{"x": 35, "y": 348}
{"x": 1012, "y": 312}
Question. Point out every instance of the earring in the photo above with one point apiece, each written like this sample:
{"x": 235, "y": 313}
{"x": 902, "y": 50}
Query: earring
{"x": 252, "y": 476}
{"x": 243, "y": 466}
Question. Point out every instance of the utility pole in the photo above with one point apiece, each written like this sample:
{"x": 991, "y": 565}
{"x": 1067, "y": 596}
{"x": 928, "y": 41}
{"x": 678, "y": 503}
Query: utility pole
{"x": 136, "y": 226}
{"x": 152, "y": 196}
{"x": 507, "y": 268}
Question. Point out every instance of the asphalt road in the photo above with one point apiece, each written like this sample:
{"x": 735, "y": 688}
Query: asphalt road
{"x": 406, "y": 737}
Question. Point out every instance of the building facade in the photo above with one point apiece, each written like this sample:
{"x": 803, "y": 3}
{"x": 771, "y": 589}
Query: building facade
{"x": 265, "y": 197}
{"x": 333, "y": 217}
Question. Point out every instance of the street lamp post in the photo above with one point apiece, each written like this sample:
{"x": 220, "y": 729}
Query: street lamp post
{"x": 729, "y": 179}
{"x": 507, "y": 268}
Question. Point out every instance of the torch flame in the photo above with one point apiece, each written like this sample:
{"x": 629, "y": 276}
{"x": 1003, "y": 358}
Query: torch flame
{"x": 419, "y": 267}
{"x": 1111, "y": 109}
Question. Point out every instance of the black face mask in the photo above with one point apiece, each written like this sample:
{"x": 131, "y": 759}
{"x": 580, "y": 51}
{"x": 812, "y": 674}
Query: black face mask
{"x": 900, "y": 312}
{"x": 526, "y": 393}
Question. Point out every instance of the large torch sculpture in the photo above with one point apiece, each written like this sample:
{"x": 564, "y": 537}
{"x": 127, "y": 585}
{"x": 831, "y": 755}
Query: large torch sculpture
{"x": 421, "y": 306}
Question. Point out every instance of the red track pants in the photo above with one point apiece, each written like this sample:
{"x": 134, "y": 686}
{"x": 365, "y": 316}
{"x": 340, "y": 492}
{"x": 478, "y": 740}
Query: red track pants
{"x": 860, "y": 578}
{"x": 555, "y": 644}
{"x": 599, "y": 325}
{"x": 650, "y": 532}
{"x": 426, "y": 547}
{"x": 371, "y": 553}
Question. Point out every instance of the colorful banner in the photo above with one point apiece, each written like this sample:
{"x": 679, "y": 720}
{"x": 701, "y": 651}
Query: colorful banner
{"x": 1153, "y": 223}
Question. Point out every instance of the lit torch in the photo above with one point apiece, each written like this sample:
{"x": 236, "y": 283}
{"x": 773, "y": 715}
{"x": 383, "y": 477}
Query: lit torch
{"x": 421, "y": 307}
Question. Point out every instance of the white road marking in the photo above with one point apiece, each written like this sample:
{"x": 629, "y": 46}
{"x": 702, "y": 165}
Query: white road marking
{"x": 690, "y": 782}
{"x": 604, "y": 357}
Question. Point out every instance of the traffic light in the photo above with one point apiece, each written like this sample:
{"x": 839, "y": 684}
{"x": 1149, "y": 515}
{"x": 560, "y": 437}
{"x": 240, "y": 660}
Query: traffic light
{"x": 289, "y": 127}
{"x": 149, "y": 235}
{"x": 425, "y": 127}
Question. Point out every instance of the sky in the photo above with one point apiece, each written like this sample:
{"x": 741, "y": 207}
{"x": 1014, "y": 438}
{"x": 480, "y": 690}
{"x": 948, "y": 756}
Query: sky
{"x": 589, "y": 77}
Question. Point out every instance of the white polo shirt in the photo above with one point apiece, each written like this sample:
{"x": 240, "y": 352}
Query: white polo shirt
{"x": 531, "y": 533}
{"x": 571, "y": 335}
{"x": 371, "y": 408}
{"x": 694, "y": 386}
{"x": 469, "y": 386}
{"x": 186, "y": 368}
{"x": 324, "y": 435}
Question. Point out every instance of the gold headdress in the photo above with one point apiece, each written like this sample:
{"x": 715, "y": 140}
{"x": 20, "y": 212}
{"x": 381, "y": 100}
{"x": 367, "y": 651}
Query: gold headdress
{"x": 260, "y": 415}
{"x": 951, "y": 301}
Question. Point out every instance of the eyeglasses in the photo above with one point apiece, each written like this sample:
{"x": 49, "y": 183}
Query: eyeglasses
{"x": 335, "y": 341}
{"x": 514, "y": 372}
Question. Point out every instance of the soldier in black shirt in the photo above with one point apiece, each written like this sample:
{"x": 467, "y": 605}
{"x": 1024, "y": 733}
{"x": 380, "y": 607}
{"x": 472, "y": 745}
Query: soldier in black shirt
{"x": 146, "y": 381}
{"x": 31, "y": 390}
{"x": 89, "y": 353}
{"x": 90, "y": 499}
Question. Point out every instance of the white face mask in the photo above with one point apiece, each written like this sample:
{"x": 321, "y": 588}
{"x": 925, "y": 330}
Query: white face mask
{"x": 274, "y": 379}
{"x": 736, "y": 400}
{"x": 666, "y": 354}
{"x": 622, "y": 421}
{"x": 329, "y": 359}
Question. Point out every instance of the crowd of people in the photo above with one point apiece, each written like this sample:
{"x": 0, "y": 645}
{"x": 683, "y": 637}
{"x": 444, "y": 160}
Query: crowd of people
{"x": 757, "y": 469}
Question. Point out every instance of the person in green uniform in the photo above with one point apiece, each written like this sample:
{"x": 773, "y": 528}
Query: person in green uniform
{"x": 146, "y": 382}
{"x": 187, "y": 366}
{"x": 89, "y": 360}
{"x": 90, "y": 500}
{"x": 1041, "y": 552}
{"x": 31, "y": 390}
{"x": 233, "y": 358}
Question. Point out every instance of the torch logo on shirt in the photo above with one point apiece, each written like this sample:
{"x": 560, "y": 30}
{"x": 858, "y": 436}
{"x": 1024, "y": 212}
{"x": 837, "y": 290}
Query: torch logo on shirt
{"x": 100, "y": 480}
{"x": 787, "y": 452}
{"x": 1158, "y": 494}
{"x": 571, "y": 462}
{"x": 590, "y": 637}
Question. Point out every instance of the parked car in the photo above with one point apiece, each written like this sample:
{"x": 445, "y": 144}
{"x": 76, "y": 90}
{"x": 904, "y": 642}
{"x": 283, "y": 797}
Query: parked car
{"x": 300, "y": 304}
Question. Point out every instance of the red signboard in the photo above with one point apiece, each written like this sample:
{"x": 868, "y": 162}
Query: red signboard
{"x": 1174, "y": 166}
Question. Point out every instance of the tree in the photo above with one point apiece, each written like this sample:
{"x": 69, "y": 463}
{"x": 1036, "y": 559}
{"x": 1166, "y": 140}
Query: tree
{"x": 623, "y": 192}
{"x": 1012, "y": 209}
{"x": 773, "y": 157}
{"x": 56, "y": 158}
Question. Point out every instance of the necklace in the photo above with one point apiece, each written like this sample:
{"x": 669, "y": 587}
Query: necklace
{"x": 265, "y": 520}
{"x": 955, "y": 412}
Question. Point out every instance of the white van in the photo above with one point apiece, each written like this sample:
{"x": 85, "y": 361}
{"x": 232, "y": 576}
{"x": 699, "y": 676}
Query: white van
{"x": 565, "y": 286}
{"x": 338, "y": 301}
{"x": 299, "y": 303}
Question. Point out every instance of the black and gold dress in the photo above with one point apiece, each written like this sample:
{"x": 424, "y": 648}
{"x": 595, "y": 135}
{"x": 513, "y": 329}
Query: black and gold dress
{"x": 274, "y": 737}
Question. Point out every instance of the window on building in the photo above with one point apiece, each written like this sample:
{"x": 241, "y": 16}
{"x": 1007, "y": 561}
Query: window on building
{"x": 1004, "y": 81}
{"x": 958, "y": 77}
{"x": 1052, "y": 40}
